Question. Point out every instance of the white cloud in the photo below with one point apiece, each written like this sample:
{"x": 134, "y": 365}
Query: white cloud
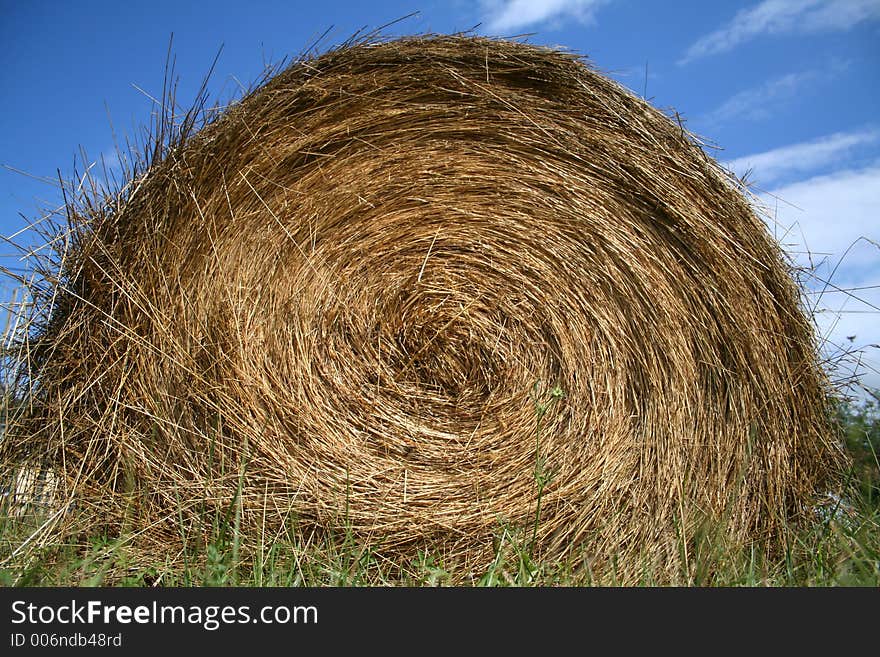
{"x": 848, "y": 328}
{"x": 831, "y": 223}
{"x": 825, "y": 214}
{"x": 783, "y": 17}
{"x": 506, "y": 15}
{"x": 806, "y": 157}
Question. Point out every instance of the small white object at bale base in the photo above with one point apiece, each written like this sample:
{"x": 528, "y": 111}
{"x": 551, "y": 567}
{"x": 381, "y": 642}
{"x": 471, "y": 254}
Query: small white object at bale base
{"x": 33, "y": 490}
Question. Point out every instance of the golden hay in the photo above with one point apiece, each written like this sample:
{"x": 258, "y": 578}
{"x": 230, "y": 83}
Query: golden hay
{"x": 409, "y": 289}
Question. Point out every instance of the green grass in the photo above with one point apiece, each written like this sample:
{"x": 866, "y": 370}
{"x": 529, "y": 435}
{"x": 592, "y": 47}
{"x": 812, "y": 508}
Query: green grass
{"x": 834, "y": 552}
{"x": 840, "y": 548}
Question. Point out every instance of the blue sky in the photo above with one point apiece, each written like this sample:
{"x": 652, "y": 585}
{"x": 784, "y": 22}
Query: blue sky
{"x": 787, "y": 91}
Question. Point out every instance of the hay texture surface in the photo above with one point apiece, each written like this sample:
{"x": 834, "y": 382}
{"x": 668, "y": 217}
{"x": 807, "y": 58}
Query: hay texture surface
{"x": 408, "y": 289}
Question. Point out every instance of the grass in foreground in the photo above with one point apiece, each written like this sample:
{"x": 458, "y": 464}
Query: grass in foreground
{"x": 840, "y": 548}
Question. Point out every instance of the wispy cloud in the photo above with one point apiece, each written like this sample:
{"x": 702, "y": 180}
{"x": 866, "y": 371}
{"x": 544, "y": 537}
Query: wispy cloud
{"x": 110, "y": 160}
{"x": 783, "y": 17}
{"x": 807, "y": 157}
{"x": 762, "y": 102}
{"x": 506, "y": 15}
{"x": 759, "y": 103}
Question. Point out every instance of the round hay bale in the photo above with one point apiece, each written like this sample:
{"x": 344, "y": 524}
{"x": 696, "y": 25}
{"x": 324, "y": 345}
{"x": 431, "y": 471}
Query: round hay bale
{"x": 430, "y": 292}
